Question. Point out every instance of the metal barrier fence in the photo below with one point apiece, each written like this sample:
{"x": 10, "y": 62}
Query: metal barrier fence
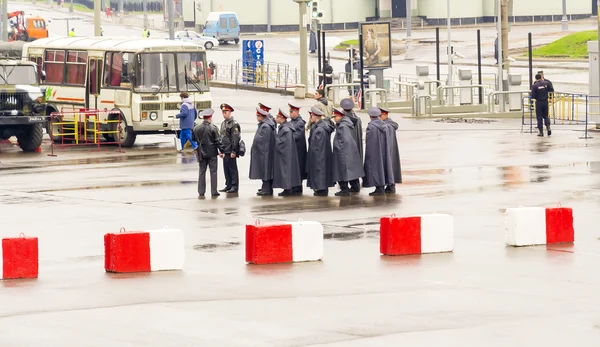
{"x": 564, "y": 109}
{"x": 83, "y": 127}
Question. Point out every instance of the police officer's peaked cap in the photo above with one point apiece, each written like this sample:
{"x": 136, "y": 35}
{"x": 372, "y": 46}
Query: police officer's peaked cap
{"x": 347, "y": 104}
{"x": 316, "y": 111}
{"x": 384, "y": 111}
{"x": 207, "y": 113}
{"x": 226, "y": 107}
{"x": 292, "y": 107}
{"x": 374, "y": 112}
{"x": 541, "y": 72}
{"x": 261, "y": 112}
{"x": 283, "y": 114}
{"x": 264, "y": 107}
{"x": 336, "y": 111}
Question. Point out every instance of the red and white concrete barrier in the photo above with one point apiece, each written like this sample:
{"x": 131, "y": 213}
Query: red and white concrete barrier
{"x": 19, "y": 258}
{"x": 284, "y": 243}
{"x": 528, "y": 226}
{"x": 429, "y": 233}
{"x": 144, "y": 251}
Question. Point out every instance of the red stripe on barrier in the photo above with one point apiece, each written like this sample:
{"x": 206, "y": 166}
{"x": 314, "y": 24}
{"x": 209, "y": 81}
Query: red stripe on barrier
{"x": 268, "y": 244}
{"x": 127, "y": 252}
{"x": 20, "y": 258}
{"x": 400, "y": 236}
{"x": 559, "y": 225}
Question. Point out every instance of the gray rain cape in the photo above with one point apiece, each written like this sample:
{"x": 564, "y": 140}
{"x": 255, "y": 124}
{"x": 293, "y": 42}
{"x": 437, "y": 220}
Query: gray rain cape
{"x": 319, "y": 159}
{"x": 300, "y": 139}
{"x": 357, "y": 132}
{"x": 347, "y": 163}
{"x": 262, "y": 154}
{"x": 378, "y": 166}
{"x": 394, "y": 152}
{"x": 287, "y": 172}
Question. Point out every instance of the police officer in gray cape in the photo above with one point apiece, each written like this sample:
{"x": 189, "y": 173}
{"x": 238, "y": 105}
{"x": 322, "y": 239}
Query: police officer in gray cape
{"x": 394, "y": 152}
{"x": 347, "y": 163}
{"x": 378, "y": 166}
{"x": 300, "y": 137}
{"x": 262, "y": 154}
{"x": 319, "y": 159}
{"x": 357, "y": 133}
{"x": 209, "y": 142}
{"x": 287, "y": 171}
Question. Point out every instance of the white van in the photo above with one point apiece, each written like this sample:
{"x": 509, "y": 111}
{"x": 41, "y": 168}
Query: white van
{"x": 223, "y": 26}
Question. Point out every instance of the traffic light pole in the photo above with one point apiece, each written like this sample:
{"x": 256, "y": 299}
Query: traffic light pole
{"x": 97, "y": 11}
{"x": 303, "y": 44}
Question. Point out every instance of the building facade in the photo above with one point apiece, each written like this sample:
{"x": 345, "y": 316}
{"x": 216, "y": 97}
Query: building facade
{"x": 282, "y": 15}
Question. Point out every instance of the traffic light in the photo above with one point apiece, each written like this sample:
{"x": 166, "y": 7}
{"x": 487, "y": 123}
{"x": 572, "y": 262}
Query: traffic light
{"x": 315, "y": 10}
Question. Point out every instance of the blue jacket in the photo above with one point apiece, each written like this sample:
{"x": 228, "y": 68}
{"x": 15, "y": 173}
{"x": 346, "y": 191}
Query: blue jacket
{"x": 187, "y": 114}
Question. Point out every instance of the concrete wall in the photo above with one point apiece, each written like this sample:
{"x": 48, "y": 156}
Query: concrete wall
{"x": 545, "y": 7}
{"x": 458, "y": 8}
{"x": 488, "y": 8}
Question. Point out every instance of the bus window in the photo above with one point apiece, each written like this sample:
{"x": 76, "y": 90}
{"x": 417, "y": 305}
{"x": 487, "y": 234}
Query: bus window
{"x": 192, "y": 72}
{"x": 76, "y": 67}
{"x": 118, "y": 69}
{"x": 156, "y": 72}
{"x": 55, "y": 66}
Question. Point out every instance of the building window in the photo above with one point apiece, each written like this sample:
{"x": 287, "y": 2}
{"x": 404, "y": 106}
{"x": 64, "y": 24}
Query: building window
{"x": 55, "y": 66}
{"x": 76, "y": 67}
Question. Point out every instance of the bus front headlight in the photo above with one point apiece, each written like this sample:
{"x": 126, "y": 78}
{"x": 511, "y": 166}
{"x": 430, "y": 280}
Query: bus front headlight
{"x": 153, "y": 116}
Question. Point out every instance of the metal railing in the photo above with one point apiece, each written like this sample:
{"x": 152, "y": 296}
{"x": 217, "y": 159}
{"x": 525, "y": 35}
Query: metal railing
{"x": 440, "y": 90}
{"x": 416, "y": 102}
{"x": 492, "y": 98}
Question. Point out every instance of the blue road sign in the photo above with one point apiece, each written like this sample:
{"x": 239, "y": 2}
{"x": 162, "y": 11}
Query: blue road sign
{"x": 253, "y": 58}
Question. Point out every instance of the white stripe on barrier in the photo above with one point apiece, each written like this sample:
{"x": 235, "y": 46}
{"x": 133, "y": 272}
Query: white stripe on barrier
{"x": 167, "y": 249}
{"x": 307, "y": 241}
{"x": 437, "y": 233}
{"x": 526, "y": 226}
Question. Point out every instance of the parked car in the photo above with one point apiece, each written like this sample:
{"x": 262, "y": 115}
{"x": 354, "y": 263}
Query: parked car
{"x": 223, "y": 26}
{"x": 193, "y": 37}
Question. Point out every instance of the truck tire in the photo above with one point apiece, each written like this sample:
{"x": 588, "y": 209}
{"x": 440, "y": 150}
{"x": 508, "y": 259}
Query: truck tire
{"x": 30, "y": 138}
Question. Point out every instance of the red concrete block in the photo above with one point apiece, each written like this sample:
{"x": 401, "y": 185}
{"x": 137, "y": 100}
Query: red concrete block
{"x": 20, "y": 258}
{"x": 559, "y": 225}
{"x": 127, "y": 252}
{"x": 267, "y": 244}
{"x": 400, "y": 235}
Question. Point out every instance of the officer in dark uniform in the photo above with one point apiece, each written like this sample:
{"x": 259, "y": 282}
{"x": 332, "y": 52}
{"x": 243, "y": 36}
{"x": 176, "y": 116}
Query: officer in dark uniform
{"x": 207, "y": 136}
{"x": 539, "y": 93}
{"x": 230, "y": 136}
{"x": 551, "y": 86}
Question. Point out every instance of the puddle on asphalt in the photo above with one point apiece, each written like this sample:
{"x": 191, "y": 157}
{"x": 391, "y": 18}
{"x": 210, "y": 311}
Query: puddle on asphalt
{"x": 22, "y": 200}
{"x": 122, "y": 185}
{"x": 309, "y": 204}
{"x": 213, "y": 247}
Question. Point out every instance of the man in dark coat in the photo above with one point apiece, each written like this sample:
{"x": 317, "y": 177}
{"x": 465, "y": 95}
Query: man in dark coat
{"x": 207, "y": 136}
{"x": 319, "y": 158}
{"x": 357, "y": 133}
{"x": 262, "y": 154}
{"x": 378, "y": 166}
{"x": 230, "y": 136}
{"x": 300, "y": 138}
{"x": 347, "y": 163}
{"x": 394, "y": 152}
{"x": 287, "y": 171}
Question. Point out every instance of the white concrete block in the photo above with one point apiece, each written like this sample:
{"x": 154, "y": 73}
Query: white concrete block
{"x": 167, "y": 249}
{"x": 525, "y": 226}
{"x": 437, "y": 233}
{"x": 307, "y": 241}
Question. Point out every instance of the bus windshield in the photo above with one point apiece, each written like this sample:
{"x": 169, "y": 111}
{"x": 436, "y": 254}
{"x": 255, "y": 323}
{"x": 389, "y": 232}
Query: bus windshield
{"x": 17, "y": 74}
{"x": 170, "y": 72}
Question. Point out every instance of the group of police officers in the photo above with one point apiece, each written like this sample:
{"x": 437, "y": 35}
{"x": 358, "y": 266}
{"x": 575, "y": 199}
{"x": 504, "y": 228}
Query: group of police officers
{"x": 281, "y": 157}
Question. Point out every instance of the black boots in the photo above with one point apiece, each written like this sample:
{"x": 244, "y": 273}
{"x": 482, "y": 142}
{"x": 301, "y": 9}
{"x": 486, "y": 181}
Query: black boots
{"x": 378, "y": 191}
{"x": 549, "y": 131}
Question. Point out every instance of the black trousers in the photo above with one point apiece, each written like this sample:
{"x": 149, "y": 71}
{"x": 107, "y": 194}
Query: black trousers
{"x": 230, "y": 167}
{"x": 211, "y": 163}
{"x": 541, "y": 113}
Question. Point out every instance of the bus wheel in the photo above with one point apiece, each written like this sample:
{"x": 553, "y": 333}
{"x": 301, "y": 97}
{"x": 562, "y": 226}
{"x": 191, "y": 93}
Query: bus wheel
{"x": 126, "y": 135}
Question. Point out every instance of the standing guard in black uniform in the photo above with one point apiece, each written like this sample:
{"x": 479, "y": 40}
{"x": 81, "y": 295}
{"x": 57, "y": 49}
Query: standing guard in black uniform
{"x": 300, "y": 138}
{"x": 207, "y": 136}
{"x": 357, "y": 133}
{"x": 539, "y": 93}
{"x": 230, "y": 137}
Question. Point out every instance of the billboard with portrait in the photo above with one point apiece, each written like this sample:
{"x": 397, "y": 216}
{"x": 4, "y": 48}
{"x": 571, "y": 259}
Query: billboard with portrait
{"x": 377, "y": 45}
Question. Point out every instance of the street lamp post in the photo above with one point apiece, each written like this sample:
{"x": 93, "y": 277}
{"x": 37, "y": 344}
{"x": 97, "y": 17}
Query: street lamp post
{"x": 565, "y": 21}
{"x": 450, "y": 91}
{"x": 500, "y": 55}
{"x": 5, "y": 20}
{"x": 97, "y": 10}
{"x": 71, "y": 6}
{"x": 303, "y": 46}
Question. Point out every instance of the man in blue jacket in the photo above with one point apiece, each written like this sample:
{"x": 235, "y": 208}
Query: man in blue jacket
{"x": 187, "y": 116}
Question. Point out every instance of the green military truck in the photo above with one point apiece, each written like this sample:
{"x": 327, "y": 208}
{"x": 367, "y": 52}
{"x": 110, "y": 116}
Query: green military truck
{"x": 22, "y": 99}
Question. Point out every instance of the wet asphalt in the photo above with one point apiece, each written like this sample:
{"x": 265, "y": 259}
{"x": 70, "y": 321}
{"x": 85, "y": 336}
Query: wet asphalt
{"x": 483, "y": 293}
